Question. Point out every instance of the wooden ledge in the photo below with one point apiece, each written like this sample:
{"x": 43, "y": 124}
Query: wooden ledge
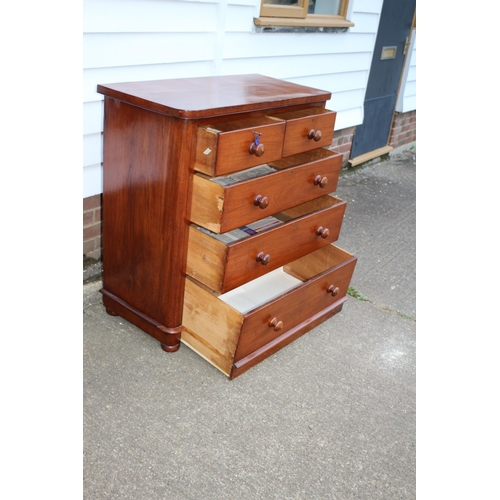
{"x": 370, "y": 155}
{"x": 311, "y": 21}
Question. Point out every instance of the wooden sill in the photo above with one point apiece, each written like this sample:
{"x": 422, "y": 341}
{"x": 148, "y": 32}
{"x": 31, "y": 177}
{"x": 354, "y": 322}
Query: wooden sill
{"x": 311, "y": 21}
{"x": 370, "y": 155}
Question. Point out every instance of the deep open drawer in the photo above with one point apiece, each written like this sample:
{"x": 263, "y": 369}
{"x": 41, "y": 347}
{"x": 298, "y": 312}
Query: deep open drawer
{"x": 223, "y": 262}
{"x": 236, "y": 330}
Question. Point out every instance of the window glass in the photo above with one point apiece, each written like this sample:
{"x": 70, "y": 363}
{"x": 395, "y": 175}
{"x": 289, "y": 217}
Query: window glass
{"x": 281, "y": 2}
{"x": 312, "y": 13}
{"x": 325, "y": 7}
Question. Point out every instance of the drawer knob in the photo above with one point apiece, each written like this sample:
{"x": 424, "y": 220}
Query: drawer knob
{"x": 314, "y": 134}
{"x": 333, "y": 290}
{"x": 261, "y": 201}
{"x": 264, "y": 258}
{"x": 257, "y": 148}
{"x": 320, "y": 181}
{"x": 323, "y": 232}
{"x": 275, "y": 324}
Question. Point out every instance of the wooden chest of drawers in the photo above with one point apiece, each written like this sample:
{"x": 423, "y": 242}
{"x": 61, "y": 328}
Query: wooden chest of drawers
{"x": 218, "y": 214}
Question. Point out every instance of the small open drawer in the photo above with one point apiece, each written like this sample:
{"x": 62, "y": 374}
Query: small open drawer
{"x": 224, "y": 203}
{"x": 223, "y": 262}
{"x": 307, "y": 129}
{"x": 236, "y": 330}
{"x": 231, "y": 146}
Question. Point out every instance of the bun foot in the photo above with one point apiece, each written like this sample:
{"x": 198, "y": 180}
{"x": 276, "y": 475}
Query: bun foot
{"x": 110, "y": 312}
{"x": 170, "y": 348}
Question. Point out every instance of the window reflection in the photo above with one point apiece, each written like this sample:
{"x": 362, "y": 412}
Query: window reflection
{"x": 324, "y": 7}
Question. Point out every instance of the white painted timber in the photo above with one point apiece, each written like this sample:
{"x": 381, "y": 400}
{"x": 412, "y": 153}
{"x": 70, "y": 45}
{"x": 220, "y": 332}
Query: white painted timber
{"x": 346, "y": 117}
{"x": 137, "y": 40}
{"x": 93, "y": 114}
{"x": 92, "y": 177}
{"x": 93, "y": 77}
{"x": 106, "y": 50}
{"x": 368, "y": 6}
{"x": 407, "y": 94}
{"x": 148, "y": 16}
{"x": 92, "y": 149}
{"x": 240, "y": 18}
{"x": 296, "y": 66}
{"x": 256, "y": 45}
{"x": 365, "y": 22}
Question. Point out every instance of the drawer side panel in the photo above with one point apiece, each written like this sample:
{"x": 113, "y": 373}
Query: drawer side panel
{"x": 211, "y": 327}
{"x": 206, "y": 259}
{"x": 206, "y": 147}
{"x": 208, "y": 203}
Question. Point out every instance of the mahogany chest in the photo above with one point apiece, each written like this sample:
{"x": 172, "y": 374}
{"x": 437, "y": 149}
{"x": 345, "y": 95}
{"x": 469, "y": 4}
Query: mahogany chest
{"x": 218, "y": 214}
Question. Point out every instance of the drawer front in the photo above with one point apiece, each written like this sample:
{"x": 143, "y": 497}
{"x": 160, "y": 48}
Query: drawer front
{"x": 309, "y": 176}
{"x": 264, "y": 324}
{"x": 230, "y": 147}
{"x": 224, "y": 267}
{"x": 307, "y": 130}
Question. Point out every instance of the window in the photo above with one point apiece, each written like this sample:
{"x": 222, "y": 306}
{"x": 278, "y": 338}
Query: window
{"x": 295, "y": 13}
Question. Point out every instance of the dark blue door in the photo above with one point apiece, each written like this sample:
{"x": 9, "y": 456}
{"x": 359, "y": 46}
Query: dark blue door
{"x": 385, "y": 73}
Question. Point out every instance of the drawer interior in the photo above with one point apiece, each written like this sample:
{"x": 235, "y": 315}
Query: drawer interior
{"x": 244, "y": 175}
{"x": 273, "y": 221}
{"x": 265, "y": 288}
{"x": 260, "y": 290}
{"x": 300, "y": 158}
{"x": 271, "y": 167}
{"x": 231, "y": 126}
{"x": 317, "y": 262}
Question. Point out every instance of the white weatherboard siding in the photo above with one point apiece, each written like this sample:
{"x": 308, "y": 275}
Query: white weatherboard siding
{"x": 136, "y": 40}
{"x": 407, "y": 95}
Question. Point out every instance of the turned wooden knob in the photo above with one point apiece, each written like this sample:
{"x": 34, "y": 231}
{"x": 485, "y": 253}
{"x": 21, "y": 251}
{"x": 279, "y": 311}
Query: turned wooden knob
{"x": 323, "y": 232}
{"x": 275, "y": 324}
{"x": 333, "y": 290}
{"x": 261, "y": 201}
{"x": 257, "y": 149}
{"x": 263, "y": 258}
{"x": 314, "y": 134}
{"x": 320, "y": 181}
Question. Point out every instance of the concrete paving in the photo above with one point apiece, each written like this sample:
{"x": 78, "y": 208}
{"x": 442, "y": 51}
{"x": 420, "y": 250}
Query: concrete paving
{"x": 331, "y": 416}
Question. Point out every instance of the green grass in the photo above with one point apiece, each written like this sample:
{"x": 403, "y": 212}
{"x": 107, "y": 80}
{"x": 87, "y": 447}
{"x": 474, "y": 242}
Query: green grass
{"x": 354, "y": 293}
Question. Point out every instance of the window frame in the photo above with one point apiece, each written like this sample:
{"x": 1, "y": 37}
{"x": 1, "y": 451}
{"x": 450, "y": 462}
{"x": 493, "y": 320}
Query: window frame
{"x": 297, "y": 16}
{"x": 270, "y": 10}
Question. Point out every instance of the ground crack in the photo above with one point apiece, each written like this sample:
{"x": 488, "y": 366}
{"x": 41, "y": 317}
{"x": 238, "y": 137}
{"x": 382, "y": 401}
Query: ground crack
{"x": 359, "y": 296}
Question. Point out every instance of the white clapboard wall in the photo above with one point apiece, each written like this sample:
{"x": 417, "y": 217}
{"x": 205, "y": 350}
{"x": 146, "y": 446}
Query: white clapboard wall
{"x": 135, "y": 40}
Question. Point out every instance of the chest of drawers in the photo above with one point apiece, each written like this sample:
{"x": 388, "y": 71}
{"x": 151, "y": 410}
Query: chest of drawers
{"x": 218, "y": 214}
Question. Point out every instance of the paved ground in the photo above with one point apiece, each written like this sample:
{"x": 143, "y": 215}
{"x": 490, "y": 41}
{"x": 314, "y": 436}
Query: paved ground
{"x": 331, "y": 416}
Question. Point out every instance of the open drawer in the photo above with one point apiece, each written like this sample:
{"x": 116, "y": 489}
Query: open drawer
{"x": 223, "y": 262}
{"x": 224, "y": 203}
{"x": 231, "y": 146}
{"x": 307, "y": 129}
{"x": 234, "y": 331}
